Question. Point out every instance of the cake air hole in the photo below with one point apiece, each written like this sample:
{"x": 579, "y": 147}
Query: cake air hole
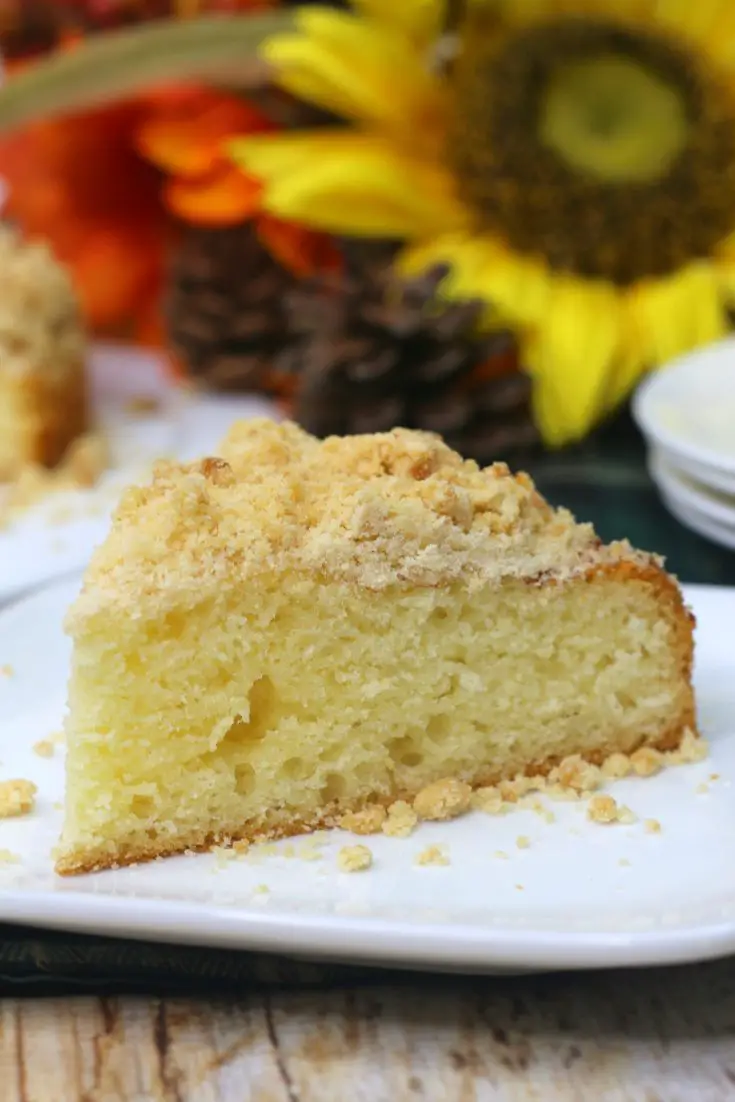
{"x": 295, "y": 768}
{"x": 263, "y": 706}
{"x": 143, "y": 806}
{"x": 333, "y": 788}
{"x": 404, "y": 751}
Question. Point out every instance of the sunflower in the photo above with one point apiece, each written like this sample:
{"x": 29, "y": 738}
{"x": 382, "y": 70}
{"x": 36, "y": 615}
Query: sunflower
{"x": 572, "y": 161}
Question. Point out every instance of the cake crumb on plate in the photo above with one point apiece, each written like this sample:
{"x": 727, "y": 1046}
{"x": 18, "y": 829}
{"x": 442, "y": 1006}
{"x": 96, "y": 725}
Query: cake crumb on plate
{"x": 433, "y": 855}
{"x": 490, "y": 800}
{"x": 605, "y": 809}
{"x": 401, "y": 820}
{"x": 354, "y": 858}
{"x": 16, "y": 798}
{"x": 523, "y": 841}
{"x": 652, "y": 826}
{"x": 647, "y": 762}
{"x": 7, "y": 857}
{"x": 44, "y": 748}
{"x": 367, "y": 821}
{"x": 617, "y": 766}
{"x": 442, "y": 800}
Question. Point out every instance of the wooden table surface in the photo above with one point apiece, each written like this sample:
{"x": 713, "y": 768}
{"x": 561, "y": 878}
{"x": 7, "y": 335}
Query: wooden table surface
{"x": 666, "y": 1035}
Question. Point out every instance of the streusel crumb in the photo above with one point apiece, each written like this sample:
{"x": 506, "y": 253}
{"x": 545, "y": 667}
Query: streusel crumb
{"x": 401, "y": 821}
{"x": 445, "y": 799}
{"x": 577, "y": 774}
{"x": 647, "y": 762}
{"x": 617, "y": 766}
{"x": 488, "y": 800}
{"x": 367, "y": 821}
{"x": 16, "y": 798}
{"x": 514, "y": 790}
{"x": 354, "y": 858}
{"x": 603, "y": 809}
{"x": 44, "y": 748}
{"x": 692, "y": 749}
{"x": 433, "y": 855}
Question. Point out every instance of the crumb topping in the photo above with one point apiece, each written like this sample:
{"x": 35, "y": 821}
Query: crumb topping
{"x": 397, "y": 508}
{"x": 354, "y": 858}
{"x": 16, "y": 798}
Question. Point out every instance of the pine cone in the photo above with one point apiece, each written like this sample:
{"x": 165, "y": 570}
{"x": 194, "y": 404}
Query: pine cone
{"x": 374, "y": 353}
{"x": 225, "y": 308}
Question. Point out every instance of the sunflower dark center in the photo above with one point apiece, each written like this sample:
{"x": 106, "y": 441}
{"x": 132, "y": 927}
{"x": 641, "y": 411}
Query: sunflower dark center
{"x": 608, "y": 151}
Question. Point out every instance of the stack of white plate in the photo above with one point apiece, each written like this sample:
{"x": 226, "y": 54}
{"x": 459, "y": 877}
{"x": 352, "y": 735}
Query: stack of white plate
{"x": 687, "y": 414}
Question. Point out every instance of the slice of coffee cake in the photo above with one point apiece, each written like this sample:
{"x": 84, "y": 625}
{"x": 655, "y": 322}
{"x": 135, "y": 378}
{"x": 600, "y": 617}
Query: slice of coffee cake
{"x": 297, "y": 629}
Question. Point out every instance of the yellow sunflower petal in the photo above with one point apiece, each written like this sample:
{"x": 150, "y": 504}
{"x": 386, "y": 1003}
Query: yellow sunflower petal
{"x": 670, "y": 316}
{"x": 515, "y": 287}
{"x": 420, "y": 20}
{"x": 350, "y": 183}
{"x": 274, "y": 155}
{"x": 358, "y": 69}
{"x": 571, "y": 357}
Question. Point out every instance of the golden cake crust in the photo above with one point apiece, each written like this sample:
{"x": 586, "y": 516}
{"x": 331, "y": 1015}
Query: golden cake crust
{"x": 399, "y": 508}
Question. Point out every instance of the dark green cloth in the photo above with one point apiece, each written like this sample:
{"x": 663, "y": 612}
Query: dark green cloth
{"x": 603, "y": 480}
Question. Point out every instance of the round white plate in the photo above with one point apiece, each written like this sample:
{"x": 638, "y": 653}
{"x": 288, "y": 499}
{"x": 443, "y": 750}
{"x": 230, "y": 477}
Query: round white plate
{"x": 676, "y": 484}
{"x": 57, "y": 536}
{"x": 689, "y": 409}
{"x": 581, "y": 895}
{"x": 699, "y": 522}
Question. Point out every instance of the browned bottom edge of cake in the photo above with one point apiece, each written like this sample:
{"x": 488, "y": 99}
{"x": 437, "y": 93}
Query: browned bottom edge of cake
{"x": 84, "y": 860}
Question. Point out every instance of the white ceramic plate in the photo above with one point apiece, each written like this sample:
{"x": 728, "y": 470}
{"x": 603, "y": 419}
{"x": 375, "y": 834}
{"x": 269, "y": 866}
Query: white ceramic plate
{"x": 581, "y": 895}
{"x": 712, "y": 504}
{"x": 57, "y": 536}
{"x": 689, "y": 410}
{"x": 699, "y": 522}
